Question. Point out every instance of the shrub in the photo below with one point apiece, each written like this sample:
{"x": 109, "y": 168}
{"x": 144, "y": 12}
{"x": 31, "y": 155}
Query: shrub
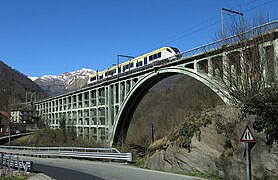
{"x": 265, "y": 106}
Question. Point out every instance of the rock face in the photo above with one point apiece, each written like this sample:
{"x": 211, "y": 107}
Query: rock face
{"x": 65, "y": 82}
{"x": 215, "y": 150}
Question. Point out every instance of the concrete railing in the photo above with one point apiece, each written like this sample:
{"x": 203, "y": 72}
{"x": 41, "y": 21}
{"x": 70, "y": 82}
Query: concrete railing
{"x": 73, "y": 152}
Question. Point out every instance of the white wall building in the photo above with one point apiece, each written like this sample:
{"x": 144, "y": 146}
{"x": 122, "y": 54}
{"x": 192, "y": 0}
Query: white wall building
{"x": 21, "y": 116}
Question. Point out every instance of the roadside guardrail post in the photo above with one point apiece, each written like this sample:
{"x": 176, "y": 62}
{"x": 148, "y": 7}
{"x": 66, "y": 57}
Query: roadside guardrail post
{"x": 129, "y": 157}
{"x": 25, "y": 167}
{"x": 15, "y": 162}
{"x": 31, "y": 166}
{"x": 2, "y": 159}
{"x": 18, "y": 165}
{"x": 9, "y": 164}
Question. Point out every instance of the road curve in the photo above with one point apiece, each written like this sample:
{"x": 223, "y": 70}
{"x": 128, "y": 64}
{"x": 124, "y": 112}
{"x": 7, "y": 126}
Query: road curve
{"x": 103, "y": 170}
{"x": 63, "y": 173}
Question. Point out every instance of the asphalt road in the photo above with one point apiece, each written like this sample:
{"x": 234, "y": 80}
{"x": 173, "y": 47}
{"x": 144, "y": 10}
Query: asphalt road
{"x": 63, "y": 173}
{"x": 71, "y": 169}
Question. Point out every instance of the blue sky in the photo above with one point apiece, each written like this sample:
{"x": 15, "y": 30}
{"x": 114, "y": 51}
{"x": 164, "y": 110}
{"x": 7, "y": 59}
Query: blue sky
{"x": 41, "y": 37}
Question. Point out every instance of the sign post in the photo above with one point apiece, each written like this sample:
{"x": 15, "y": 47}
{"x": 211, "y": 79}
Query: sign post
{"x": 248, "y": 137}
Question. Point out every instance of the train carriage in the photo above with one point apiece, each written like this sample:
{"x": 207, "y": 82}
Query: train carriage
{"x": 138, "y": 62}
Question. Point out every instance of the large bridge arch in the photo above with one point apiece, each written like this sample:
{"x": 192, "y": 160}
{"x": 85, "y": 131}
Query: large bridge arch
{"x": 139, "y": 90}
{"x": 103, "y": 110}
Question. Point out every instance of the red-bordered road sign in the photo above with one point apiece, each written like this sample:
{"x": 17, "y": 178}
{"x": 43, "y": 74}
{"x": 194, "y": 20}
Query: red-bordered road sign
{"x": 247, "y": 135}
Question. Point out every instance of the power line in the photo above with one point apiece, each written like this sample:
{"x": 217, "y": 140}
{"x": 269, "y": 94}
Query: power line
{"x": 260, "y": 5}
{"x": 220, "y": 21}
{"x": 167, "y": 40}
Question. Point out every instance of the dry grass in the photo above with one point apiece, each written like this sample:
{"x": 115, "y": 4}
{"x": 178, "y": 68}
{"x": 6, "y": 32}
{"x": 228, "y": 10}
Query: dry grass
{"x": 182, "y": 134}
{"x": 158, "y": 144}
{"x": 50, "y": 137}
{"x": 23, "y": 141}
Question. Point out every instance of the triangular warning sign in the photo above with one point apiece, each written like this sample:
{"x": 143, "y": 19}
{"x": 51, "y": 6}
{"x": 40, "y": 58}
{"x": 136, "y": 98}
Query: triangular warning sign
{"x": 247, "y": 135}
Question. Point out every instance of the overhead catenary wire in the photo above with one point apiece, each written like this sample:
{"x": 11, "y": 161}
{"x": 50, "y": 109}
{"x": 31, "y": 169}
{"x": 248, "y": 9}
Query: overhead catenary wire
{"x": 178, "y": 36}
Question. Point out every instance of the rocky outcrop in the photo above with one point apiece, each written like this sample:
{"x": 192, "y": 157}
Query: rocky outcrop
{"x": 52, "y": 86}
{"x": 215, "y": 150}
{"x": 66, "y": 82}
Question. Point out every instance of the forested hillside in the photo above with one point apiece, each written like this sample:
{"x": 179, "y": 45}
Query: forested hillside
{"x": 14, "y": 86}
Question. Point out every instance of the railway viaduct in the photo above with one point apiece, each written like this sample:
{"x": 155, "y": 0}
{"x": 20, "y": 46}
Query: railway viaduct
{"x": 103, "y": 111}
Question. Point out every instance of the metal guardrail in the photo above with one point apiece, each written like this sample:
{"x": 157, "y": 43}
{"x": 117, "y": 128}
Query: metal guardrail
{"x": 73, "y": 152}
{"x": 15, "y": 162}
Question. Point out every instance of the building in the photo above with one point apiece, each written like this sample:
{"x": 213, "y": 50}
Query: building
{"x": 16, "y": 122}
{"x": 4, "y": 123}
{"x": 22, "y": 116}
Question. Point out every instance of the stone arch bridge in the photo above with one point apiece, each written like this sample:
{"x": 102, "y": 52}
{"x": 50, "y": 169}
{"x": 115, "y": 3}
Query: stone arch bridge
{"x": 103, "y": 111}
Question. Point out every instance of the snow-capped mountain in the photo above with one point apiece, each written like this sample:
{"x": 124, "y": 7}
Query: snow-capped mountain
{"x": 65, "y": 82}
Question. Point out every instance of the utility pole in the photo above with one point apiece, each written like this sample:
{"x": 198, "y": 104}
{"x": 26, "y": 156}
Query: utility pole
{"x": 249, "y": 139}
{"x": 31, "y": 94}
{"x": 248, "y": 161}
{"x": 222, "y": 20}
{"x": 152, "y": 132}
{"x": 118, "y": 60}
{"x": 6, "y": 96}
{"x": 9, "y": 133}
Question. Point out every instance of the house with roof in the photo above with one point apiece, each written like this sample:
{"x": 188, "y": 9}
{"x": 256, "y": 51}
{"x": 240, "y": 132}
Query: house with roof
{"x": 4, "y": 123}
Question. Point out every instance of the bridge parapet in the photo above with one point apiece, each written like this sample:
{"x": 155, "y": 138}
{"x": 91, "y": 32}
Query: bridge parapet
{"x": 253, "y": 33}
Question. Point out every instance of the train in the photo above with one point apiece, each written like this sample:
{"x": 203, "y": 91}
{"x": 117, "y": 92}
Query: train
{"x": 135, "y": 63}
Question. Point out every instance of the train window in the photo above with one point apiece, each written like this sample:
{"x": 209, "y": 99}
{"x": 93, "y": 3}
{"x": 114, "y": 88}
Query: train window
{"x": 140, "y": 63}
{"x": 125, "y": 67}
{"x": 159, "y": 55}
{"x": 145, "y": 60}
{"x": 119, "y": 69}
{"x": 112, "y": 71}
{"x": 101, "y": 77}
{"x": 155, "y": 56}
{"x": 93, "y": 78}
{"x": 128, "y": 66}
{"x": 169, "y": 50}
{"x": 177, "y": 51}
{"x": 151, "y": 57}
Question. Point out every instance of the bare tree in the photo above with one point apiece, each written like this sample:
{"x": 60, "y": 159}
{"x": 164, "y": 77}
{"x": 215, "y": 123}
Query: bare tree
{"x": 251, "y": 67}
